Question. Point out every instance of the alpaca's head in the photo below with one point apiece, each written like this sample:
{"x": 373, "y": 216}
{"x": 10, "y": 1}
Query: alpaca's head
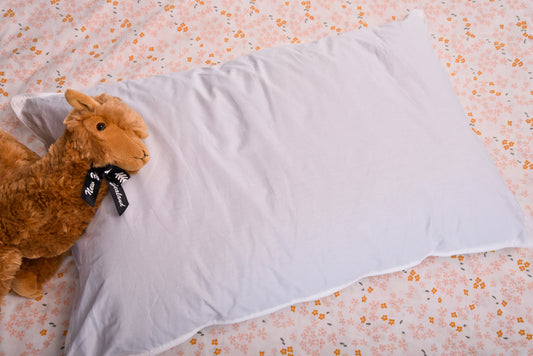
{"x": 106, "y": 131}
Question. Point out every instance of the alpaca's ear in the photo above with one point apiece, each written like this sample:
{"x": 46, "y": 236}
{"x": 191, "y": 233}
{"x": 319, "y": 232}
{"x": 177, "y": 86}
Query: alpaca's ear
{"x": 80, "y": 101}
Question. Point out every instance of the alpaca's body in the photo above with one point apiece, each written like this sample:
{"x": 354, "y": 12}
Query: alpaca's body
{"x": 42, "y": 213}
{"x": 43, "y": 200}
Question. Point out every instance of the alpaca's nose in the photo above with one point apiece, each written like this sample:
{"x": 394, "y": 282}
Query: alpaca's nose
{"x": 145, "y": 157}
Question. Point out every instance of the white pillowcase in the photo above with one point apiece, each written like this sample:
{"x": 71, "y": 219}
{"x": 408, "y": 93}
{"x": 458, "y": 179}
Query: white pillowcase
{"x": 280, "y": 177}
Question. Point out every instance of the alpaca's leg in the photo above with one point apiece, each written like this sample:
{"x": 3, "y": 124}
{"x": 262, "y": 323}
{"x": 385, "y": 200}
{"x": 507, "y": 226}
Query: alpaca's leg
{"x": 10, "y": 260}
{"x": 25, "y": 284}
{"x": 33, "y": 273}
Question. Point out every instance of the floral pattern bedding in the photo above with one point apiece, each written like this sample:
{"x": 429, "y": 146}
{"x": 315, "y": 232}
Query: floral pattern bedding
{"x": 465, "y": 304}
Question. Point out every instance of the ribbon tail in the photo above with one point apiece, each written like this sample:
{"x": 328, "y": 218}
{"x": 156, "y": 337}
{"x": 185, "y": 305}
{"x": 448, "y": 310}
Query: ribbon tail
{"x": 119, "y": 197}
{"x": 91, "y": 186}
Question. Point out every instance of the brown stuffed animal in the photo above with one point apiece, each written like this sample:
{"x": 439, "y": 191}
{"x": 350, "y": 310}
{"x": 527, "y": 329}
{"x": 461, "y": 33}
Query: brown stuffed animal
{"x": 42, "y": 213}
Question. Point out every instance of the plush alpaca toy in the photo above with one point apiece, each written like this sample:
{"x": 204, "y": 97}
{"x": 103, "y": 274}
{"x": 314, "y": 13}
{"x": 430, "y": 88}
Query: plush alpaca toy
{"x": 42, "y": 212}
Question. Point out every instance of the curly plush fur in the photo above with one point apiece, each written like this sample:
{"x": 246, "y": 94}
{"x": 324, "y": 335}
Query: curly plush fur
{"x": 41, "y": 210}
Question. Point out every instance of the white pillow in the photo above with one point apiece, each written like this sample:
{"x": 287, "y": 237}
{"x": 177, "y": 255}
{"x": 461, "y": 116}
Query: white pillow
{"x": 280, "y": 177}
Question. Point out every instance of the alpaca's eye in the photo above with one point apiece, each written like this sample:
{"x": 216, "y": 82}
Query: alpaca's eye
{"x": 100, "y": 126}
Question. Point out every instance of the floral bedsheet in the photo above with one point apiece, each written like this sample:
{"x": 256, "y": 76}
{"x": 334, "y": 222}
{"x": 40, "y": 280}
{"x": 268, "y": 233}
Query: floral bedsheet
{"x": 466, "y": 304}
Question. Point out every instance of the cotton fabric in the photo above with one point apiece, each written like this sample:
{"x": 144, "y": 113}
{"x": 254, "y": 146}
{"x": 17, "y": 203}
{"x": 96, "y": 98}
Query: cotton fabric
{"x": 279, "y": 177}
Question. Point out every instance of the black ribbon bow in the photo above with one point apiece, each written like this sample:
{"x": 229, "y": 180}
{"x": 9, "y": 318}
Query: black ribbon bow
{"x": 114, "y": 176}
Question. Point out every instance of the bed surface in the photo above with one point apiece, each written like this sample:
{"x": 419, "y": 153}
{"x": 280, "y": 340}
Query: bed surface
{"x": 475, "y": 304}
